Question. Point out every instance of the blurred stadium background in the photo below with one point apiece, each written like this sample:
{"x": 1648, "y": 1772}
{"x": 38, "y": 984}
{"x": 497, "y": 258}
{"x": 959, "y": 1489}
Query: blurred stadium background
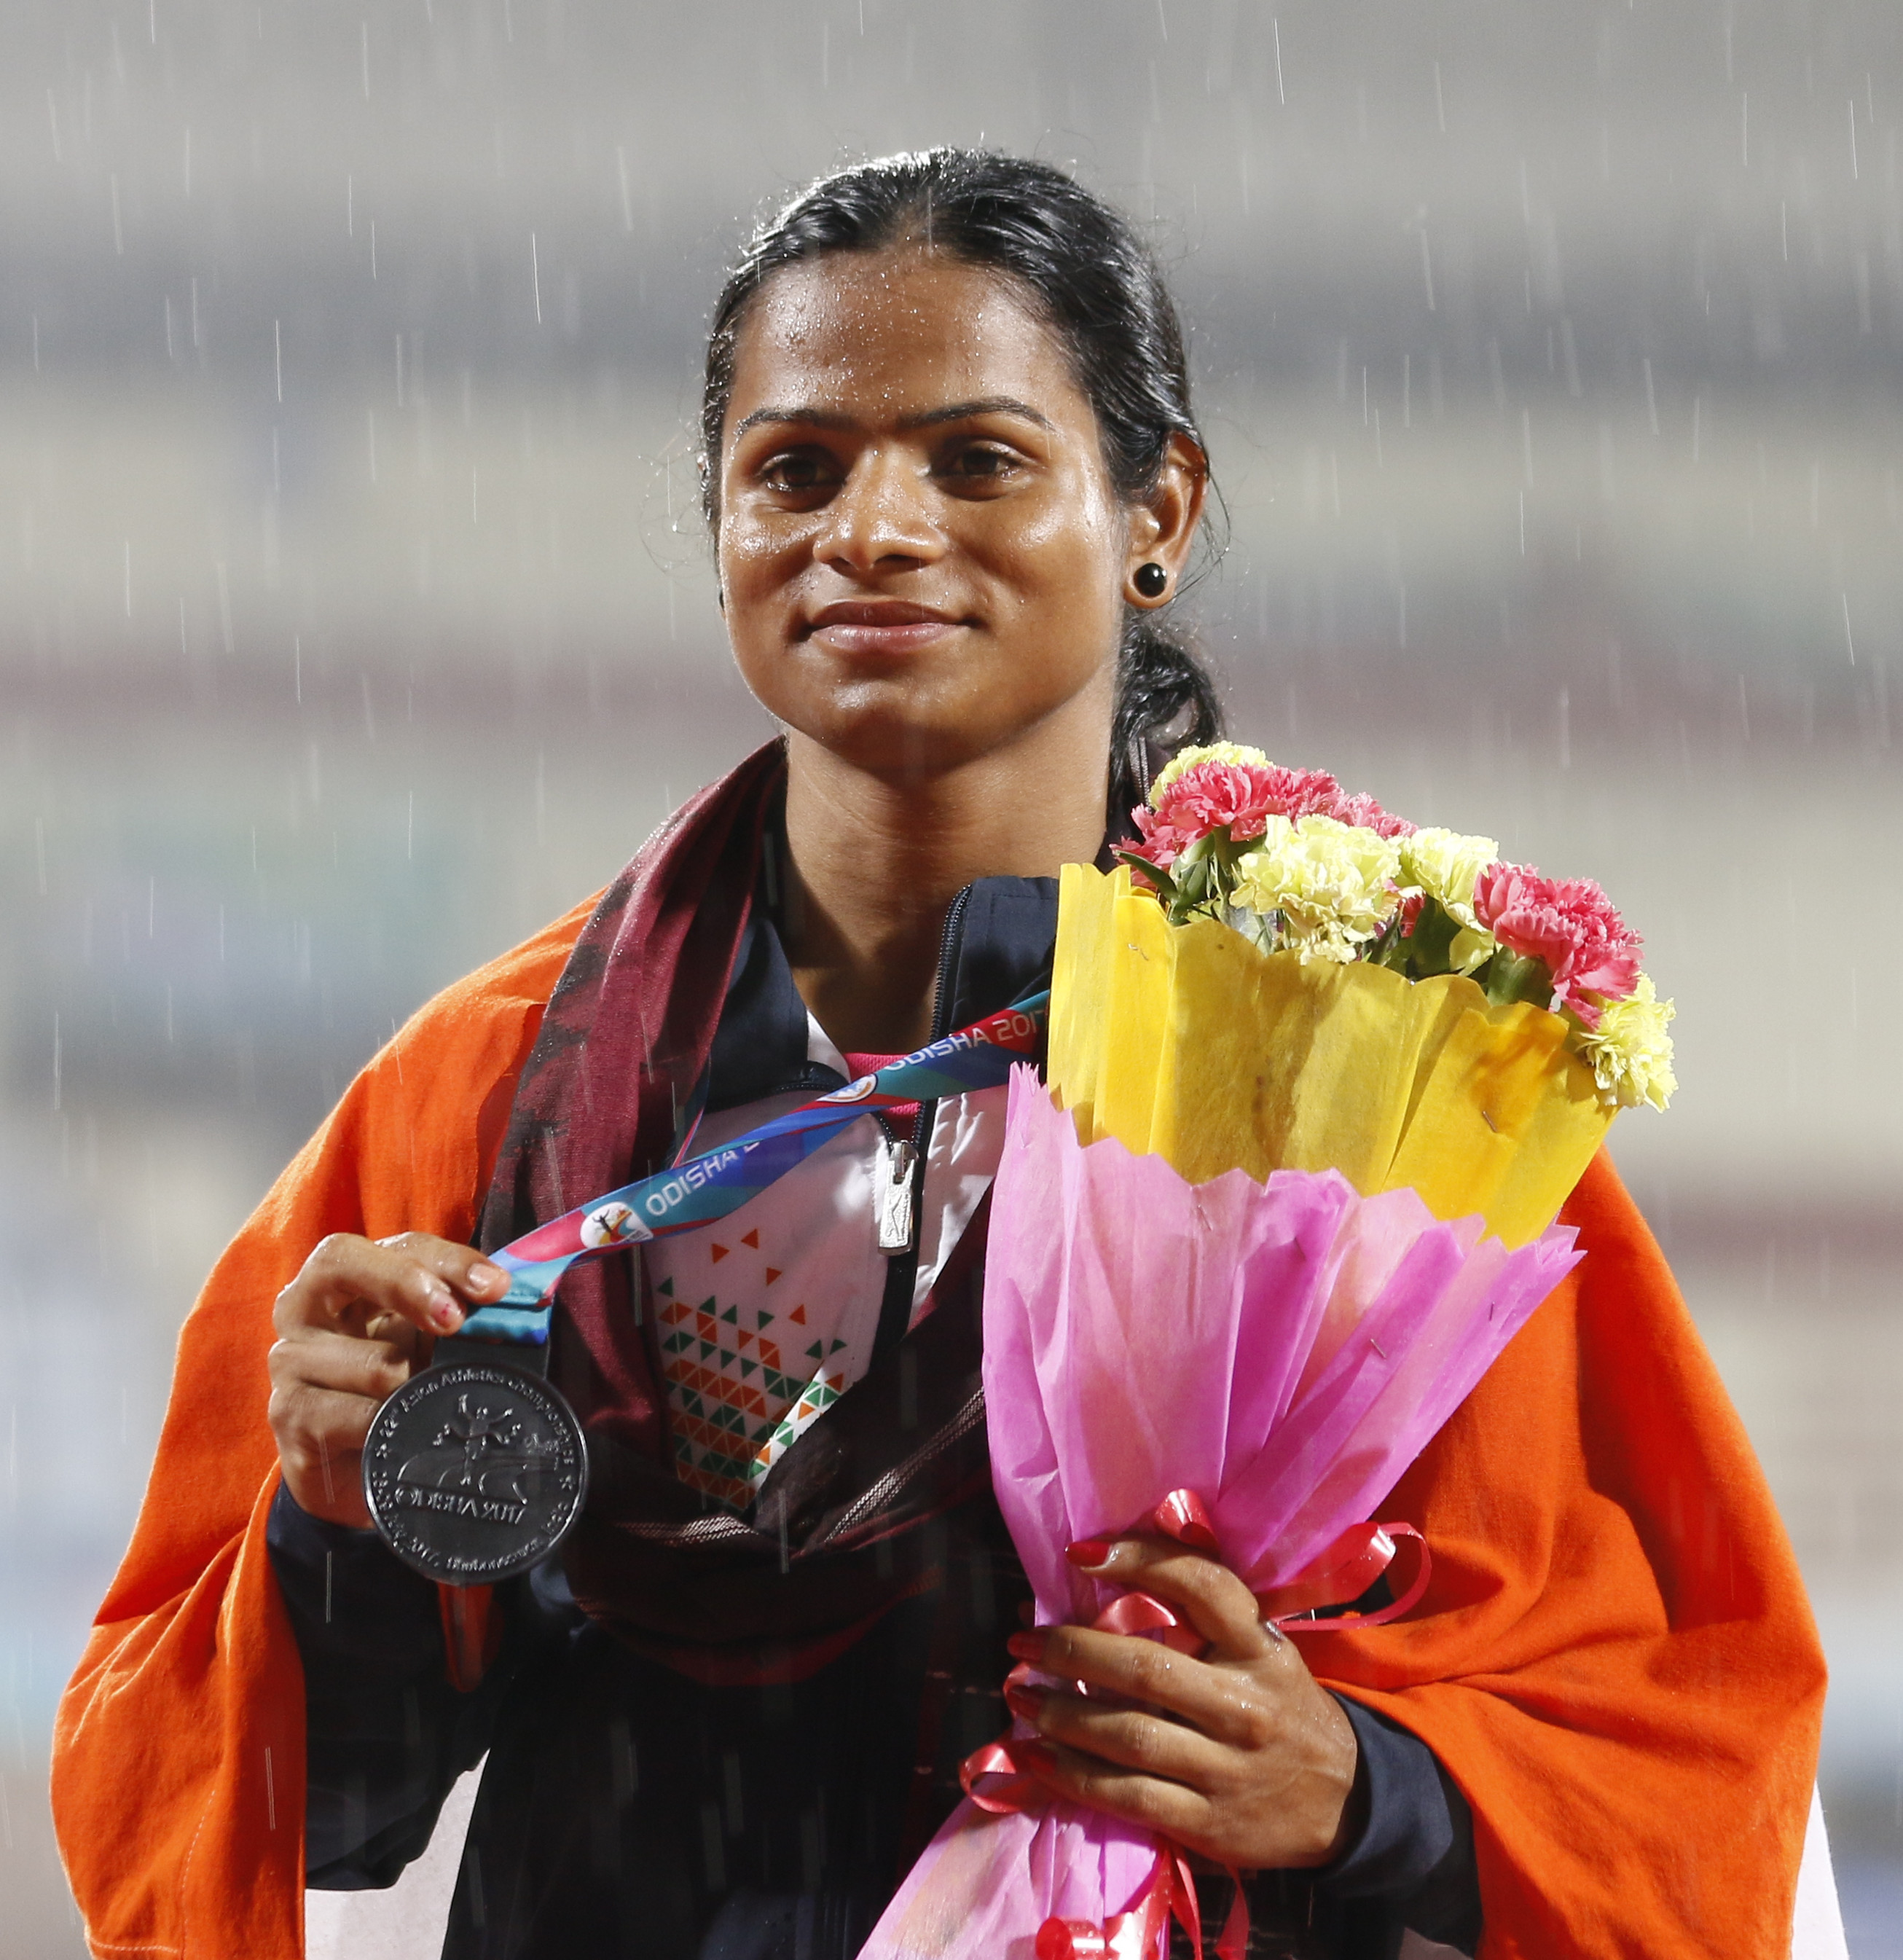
{"x": 355, "y": 619}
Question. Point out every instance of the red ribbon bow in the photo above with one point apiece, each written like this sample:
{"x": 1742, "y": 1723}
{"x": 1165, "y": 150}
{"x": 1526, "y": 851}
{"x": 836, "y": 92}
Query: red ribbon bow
{"x": 996, "y": 1780}
{"x": 1139, "y": 1934}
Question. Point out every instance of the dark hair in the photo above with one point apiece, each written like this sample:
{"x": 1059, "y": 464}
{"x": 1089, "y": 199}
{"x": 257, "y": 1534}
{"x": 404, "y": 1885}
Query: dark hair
{"x": 1099, "y": 289}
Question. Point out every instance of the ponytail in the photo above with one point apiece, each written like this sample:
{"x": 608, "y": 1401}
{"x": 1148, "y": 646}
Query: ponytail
{"x": 1165, "y": 701}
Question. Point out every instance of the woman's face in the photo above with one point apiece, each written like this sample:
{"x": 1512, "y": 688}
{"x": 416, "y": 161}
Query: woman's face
{"x": 922, "y": 554}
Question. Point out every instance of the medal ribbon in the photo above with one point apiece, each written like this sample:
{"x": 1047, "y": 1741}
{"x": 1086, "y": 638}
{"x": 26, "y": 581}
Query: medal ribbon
{"x": 687, "y": 1195}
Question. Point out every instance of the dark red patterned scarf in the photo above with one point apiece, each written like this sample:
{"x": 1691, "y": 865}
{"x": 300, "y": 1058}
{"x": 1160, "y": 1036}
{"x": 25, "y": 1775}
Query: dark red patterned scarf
{"x": 835, "y": 1537}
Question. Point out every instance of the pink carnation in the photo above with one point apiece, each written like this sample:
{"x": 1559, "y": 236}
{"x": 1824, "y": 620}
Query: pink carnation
{"x": 1208, "y": 795}
{"x": 1366, "y": 814}
{"x": 1569, "y": 923}
{"x": 1307, "y": 793}
{"x": 1156, "y": 842}
{"x": 1241, "y": 797}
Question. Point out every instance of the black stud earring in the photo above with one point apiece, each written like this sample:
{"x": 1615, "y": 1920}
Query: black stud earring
{"x": 719, "y": 595}
{"x": 1151, "y": 579}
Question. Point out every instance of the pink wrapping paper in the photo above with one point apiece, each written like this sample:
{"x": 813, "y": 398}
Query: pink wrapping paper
{"x": 1284, "y": 1350}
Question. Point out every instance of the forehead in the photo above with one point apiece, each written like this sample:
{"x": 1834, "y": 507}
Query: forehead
{"x": 883, "y": 334}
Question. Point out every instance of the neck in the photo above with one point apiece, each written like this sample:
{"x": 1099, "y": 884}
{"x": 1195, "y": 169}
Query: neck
{"x": 876, "y": 861}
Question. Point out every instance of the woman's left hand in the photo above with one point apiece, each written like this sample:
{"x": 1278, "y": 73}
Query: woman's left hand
{"x": 1238, "y": 1757}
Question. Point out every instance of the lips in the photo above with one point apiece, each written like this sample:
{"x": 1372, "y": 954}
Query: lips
{"x": 880, "y": 626}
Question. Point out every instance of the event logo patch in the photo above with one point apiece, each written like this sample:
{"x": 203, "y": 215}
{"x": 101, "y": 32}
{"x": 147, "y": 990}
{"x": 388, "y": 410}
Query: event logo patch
{"x": 613, "y": 1224}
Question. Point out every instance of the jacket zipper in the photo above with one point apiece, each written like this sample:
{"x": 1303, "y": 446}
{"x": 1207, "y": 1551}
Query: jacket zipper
{"x": 947, "y": 950}
{"x": 901, "y": 1270}
{"x": 899, "y": 1218}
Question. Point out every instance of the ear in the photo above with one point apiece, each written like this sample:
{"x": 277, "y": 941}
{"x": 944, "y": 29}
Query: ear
{"x": 1162, "y": 526}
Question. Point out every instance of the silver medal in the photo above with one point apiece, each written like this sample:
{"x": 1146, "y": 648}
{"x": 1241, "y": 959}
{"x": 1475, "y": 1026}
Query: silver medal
{"x": 474, "y": 1472}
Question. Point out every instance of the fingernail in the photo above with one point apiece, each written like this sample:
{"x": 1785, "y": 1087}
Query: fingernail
{"x": 1023, "y": 1702}
{"x": 1027, "y": 1646}
{"x": 447, "y": 1315}
{"x": 1089, "y": 1551}
{"x": 484, "y": 1274}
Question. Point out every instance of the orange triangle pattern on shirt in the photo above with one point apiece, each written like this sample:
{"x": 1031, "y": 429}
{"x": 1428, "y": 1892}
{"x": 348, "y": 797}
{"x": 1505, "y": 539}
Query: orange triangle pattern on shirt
{"x": 799, "y": 1313}
{"x": 719, "y": 1253}
{"x": 752, "y": 1238}
{"x": 772, "y": 1273}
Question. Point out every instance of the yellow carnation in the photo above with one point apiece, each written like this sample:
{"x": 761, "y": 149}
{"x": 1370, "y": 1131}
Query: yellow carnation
{"x": 1630, "y": 1052}
{"x": 1332, "y": 883}
{"x": 1470, "y": 949}
{"x": 1446, "y": 865}
{"x": 1187, "y": 758}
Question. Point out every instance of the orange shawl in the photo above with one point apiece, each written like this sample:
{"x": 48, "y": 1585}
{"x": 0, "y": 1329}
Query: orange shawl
{"x": 1615, "y": 1660}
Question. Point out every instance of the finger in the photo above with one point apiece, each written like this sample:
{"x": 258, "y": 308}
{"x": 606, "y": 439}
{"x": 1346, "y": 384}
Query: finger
{"x": 1156, "y": 1804}
{"x": 462, "y": 1267}
{"x": 1126, "y": 1736}
{"x": 347, "y": 1280}
{"x": 1213, "y": 1599}
{"x": 320, "y": 1436}
{"x": 321, "y": 1358}
{"x": 326, "y": 1477}
{"x": 319, "y": 1424}
{"x": 1123, "y": 1665}
{"x": 1230, "y": 1702}
{"x": 403, "y": 1337}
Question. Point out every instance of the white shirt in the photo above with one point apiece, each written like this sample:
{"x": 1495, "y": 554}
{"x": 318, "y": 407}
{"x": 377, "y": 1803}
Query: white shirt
{"x": 767, "y": 1316}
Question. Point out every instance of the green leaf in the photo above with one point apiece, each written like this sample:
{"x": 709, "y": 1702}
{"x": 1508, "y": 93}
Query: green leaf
{"x": 1429, "y": 945}
{"x": 1393, "y": 952}
{"x": 1166, "y": 885}
{"x": 1510, "y": 977}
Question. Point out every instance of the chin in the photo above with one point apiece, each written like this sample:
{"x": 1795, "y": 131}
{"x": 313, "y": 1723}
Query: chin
{"x": 924, "y": 718}
{"x": 890, "y": 731}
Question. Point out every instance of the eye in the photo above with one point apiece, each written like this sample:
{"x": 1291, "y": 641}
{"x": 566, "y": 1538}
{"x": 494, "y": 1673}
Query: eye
{"x": 799, "y": 472}
{"x": 980, "y": 462}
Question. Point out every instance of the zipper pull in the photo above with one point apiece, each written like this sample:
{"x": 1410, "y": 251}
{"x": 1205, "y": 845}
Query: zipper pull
{"x": 893, "y": 1198}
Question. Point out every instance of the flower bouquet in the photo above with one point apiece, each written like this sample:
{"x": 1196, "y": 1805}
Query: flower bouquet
{"x": 1318, "y": 1082}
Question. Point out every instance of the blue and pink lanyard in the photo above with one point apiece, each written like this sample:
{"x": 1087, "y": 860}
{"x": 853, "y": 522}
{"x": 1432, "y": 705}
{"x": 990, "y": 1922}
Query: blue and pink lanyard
{"x": 688, "y": 1194}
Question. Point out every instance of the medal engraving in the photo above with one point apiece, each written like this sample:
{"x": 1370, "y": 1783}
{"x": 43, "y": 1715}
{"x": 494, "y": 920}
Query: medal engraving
{"x": 474, "y": 1472}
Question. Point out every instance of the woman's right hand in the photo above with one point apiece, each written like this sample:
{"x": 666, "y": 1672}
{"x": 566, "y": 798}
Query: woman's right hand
{"x": 356, "y": 1323}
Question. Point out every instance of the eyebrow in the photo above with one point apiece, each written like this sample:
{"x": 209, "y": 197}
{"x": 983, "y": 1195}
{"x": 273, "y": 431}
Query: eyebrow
{"x": 953, "y": 412}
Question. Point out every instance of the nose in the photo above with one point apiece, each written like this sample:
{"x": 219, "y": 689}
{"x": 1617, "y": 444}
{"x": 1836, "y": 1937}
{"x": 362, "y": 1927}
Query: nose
{"x": 881, "y": 518}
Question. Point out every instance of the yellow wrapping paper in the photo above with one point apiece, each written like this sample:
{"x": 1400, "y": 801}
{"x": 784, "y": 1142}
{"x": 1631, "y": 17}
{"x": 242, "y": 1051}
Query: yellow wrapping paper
{"x": 1191, "y": 1043}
